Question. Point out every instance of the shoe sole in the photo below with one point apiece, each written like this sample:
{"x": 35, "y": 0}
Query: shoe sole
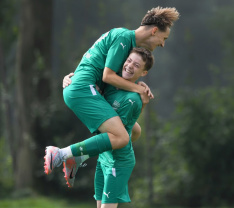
{"x": 66, "y": 176}
{"x": 47, "y": 163}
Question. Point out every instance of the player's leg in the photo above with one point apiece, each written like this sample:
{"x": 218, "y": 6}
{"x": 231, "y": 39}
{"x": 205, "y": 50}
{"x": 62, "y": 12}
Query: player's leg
{"x": 115, "y": 189}
{"x": 109, "y": 205}
{"x": 98, "y": 187}
{"x": 93, "y": 110}
{"x": 116, "y": 131}
{"x": 98, "y": 184}
{"x": 96, "y": 114}
{"x": 99, "y": 203}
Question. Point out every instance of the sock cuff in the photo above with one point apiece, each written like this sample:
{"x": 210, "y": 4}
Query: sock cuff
{"x": 75, "y": 148}
{"x": 104, "y": 142}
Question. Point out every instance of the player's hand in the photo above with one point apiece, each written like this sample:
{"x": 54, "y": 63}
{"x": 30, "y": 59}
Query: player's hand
{"x": 66, "y": 80}
{"x": 144, "y": 98}
{"x": 147, "y": 89}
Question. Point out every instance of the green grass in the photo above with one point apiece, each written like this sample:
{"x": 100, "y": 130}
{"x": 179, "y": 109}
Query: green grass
{"x": 42, "y": 202}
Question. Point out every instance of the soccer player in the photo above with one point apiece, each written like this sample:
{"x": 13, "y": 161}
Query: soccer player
{"x": 100, "y": 65}
{"x": 114, "y": 168}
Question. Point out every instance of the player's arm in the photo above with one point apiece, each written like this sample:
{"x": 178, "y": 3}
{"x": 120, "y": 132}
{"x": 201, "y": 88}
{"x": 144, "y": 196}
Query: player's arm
{"x": 110, "y": 77}
{"x": 136, "y": 132}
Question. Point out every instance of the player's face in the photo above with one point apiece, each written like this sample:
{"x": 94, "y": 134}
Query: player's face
{"x": 158, "y": 38}
{"x": 133, "y": 68}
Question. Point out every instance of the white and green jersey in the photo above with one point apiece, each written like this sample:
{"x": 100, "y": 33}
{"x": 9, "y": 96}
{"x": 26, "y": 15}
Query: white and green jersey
{"x": 128, "y": 106}
{"x": 110, "y": 50}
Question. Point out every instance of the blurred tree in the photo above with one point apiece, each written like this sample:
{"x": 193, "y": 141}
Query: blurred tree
{"x": 205, "y": 140}
{"x": 33, "y": 68}
{"x": 8, "y": 35}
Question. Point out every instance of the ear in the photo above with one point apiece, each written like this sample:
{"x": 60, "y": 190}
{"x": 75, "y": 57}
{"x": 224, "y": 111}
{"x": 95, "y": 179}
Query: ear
{"x": 144, "y": 73}
{"x": 154, "y": 30}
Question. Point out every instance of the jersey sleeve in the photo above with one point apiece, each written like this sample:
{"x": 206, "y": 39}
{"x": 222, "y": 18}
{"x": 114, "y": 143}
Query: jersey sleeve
{"x": 117, "y": 53}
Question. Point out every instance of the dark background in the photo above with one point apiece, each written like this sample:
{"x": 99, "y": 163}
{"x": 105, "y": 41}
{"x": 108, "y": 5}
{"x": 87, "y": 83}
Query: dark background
{"x": 185, "y": 154}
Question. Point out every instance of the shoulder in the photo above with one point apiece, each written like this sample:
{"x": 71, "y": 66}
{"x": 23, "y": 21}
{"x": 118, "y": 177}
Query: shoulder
{"x": 121, "y": 32}
{"x": 134, "y": 99}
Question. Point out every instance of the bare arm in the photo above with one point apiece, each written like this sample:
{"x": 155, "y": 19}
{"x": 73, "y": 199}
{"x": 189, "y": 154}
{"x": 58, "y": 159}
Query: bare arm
{"x": 110, "y": 77}
{"x": 136, "y": 132}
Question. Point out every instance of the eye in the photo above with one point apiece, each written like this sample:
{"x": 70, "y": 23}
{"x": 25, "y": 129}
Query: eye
{"x": 137, "y": 65}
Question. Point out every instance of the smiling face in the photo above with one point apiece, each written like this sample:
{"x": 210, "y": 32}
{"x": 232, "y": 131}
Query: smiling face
{"x": 134, "y": 68}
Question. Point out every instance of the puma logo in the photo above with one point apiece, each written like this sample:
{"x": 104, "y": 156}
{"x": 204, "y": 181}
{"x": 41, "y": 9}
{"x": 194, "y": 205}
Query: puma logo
{"x": 131, "y": 101}
{"x": 107, "y": 195}
{"x": 122, "y": 45}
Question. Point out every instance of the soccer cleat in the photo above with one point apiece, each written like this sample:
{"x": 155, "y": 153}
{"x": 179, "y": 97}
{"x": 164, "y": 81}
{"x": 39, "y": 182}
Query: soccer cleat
{"x": 70, "y": 168}
{"x": 52, "y": 159}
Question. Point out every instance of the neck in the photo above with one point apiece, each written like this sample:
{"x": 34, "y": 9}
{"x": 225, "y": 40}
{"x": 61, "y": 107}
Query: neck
{"x": 141, "y": 35}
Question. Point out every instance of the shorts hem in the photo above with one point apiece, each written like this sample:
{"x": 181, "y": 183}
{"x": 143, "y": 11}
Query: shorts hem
{"x": 115, "y": 202}
{"x": 95, "y": 130}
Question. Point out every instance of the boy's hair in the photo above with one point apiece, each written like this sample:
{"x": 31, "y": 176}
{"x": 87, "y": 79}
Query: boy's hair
{"x": 160, "y": 17}
{"x": 146, "y": 55}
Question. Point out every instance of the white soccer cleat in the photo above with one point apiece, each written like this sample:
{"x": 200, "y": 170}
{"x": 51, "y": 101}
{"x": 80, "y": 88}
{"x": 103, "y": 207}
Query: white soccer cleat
{"x": 70, "y": 168}
{"x": 52, "y": 159}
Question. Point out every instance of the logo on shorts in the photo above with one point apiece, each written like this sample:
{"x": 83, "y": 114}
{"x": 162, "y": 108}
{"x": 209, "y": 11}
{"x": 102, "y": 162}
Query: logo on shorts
{"x": 107, "y": 195}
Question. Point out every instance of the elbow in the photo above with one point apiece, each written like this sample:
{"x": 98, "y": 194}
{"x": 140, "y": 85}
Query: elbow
{"x": 105, "y": 78}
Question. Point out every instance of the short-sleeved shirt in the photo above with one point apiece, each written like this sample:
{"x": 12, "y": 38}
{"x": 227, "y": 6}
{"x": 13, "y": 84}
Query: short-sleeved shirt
{"x": 110, "y": 50}
{"x": 128, "y": 105}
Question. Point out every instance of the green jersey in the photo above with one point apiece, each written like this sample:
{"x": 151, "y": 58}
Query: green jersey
{"x": 128, "y": 106}
{"x": 110, "y": 50}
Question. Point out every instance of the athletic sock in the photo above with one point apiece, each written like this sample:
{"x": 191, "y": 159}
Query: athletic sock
{"x": 92, "y": 146}
{"x": 66, "y": 153}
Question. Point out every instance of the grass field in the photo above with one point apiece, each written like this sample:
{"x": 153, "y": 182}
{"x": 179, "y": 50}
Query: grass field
{"x": 42, "y": 202}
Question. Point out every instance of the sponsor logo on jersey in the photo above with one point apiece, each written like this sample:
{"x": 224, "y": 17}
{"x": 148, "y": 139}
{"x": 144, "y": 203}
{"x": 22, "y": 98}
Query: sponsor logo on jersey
{"x": 115, "y": 105}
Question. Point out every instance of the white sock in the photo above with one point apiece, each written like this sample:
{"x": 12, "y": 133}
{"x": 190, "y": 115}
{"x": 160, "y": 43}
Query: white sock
{"x": 66, "y": 153}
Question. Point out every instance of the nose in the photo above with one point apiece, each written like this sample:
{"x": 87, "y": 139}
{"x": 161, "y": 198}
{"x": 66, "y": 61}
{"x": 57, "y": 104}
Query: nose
{"x": 130, "y": 65}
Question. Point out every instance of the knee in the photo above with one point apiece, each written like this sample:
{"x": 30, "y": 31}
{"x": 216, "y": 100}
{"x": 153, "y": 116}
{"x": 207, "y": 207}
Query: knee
{"x": 124, "y": 139}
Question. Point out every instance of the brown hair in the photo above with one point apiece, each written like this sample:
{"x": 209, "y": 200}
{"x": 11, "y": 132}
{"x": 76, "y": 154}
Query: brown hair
{"x": 146, "y": 55}
{"x": 160, "y": 17}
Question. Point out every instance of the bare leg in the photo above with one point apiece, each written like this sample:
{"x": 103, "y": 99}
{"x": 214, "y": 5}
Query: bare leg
{"x": 109, "y": 205}
{"x": 99, "y": 203}
{"x": 116, "y": 131}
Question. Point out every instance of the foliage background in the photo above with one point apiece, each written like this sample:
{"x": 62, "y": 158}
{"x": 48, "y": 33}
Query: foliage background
{"x": 184, "y": 156}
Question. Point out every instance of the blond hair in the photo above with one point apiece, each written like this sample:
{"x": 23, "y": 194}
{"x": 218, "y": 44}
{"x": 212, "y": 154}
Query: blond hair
{"x": 160, "y": 17}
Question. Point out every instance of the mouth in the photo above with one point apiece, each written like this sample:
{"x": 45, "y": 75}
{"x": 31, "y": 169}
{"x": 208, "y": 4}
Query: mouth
{"x": 128, "y": 71}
